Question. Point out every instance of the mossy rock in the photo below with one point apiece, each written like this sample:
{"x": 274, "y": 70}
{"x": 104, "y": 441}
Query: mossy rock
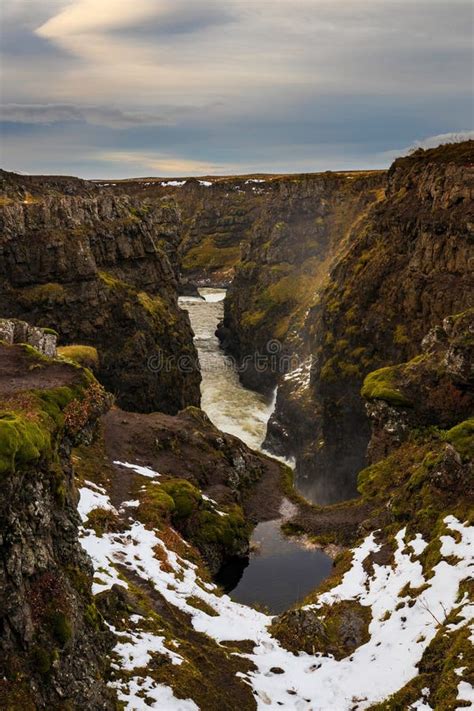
{"x": 42, "y": 660}
{"x": 33, "y": 295}
{"x": 185, "y": 496}
{"x": 22, "y": 441}
{"x": 227, "y": 529}
{"x": 462, "y": 438}
{"x": 156, "y": 505}
{"x": 336, "y": 629}
{"x": 86, "y": 356}
{"x": 61, "y": 627}
{"x": 381, "y": 385}
{"x": 208, "y": 255}
{"x": 103, "y": 521}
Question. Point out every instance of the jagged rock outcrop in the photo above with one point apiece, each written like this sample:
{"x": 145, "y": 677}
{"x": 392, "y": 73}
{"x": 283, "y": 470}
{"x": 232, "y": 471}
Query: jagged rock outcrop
{"x": 52, "y": 638}
{"x": 408, "y": 265}
{"x": 14, "y": 331}
{"x": 94, "y": 266}
{"x": 435, "y": 388}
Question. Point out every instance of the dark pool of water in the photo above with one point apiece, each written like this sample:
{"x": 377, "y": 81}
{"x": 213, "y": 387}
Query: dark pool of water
{"x": 279, "y": 574}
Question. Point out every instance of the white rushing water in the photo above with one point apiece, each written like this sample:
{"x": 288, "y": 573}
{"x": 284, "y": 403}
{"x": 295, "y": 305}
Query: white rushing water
{"x": 231, "y": 407}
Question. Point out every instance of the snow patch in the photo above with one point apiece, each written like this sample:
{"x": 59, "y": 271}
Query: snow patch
{"x": 136, "y": 650}
{"x": 133, "y": 691}
{"x": 138, "y": 469}
{"x": 465, "y": 692}
{"x": 90, "y": 500}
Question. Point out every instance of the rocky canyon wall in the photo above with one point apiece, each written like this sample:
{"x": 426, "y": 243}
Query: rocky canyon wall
{"x": 98, "y": 268}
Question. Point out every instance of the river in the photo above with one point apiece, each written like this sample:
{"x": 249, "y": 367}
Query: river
{"x": 280, "y": 571}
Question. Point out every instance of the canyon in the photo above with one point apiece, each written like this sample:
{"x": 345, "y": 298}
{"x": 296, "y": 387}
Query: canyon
{"x": 348, "y": 315}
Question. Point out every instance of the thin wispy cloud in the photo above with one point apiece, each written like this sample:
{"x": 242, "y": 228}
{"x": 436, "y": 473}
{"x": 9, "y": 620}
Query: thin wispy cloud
{"x": 431, "y": 142}
{"x": 96, "y": 115}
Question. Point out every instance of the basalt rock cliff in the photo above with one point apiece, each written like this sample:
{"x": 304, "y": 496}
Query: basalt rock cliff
{"x": 52, "y": 638}
{"x": 96, "y": 268}
{"x": 305, "y": 222}
{"x": 401, "y": 262}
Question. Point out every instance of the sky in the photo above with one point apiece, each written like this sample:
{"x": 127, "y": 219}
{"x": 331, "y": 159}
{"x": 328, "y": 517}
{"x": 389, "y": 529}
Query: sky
{"x": 119, "y": 88}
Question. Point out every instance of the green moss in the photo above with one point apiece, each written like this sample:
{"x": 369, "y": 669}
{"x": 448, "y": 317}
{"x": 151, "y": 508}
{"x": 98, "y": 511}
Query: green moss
{"x": 185, "y": 496}
{"x": 22, "y": 441}
{"x": 324, "y": 630}
{"x": 358, "y": 353}
{"x": 60, "y": 627}
{"x": 230, "y": 529}
{"x": 400, "y": 335}
{"x": 156, "y": 505}
{"x": 333, "y": 306}
{"x": 51, "y": 332}
{"x": 42, "y": 660}
{"x": 34, "y": 355}
{"x": 111, "y": 281}
{"x": 52, "y": 292}
{"x": 86, "y": 356}
{"x": 462, "y": 438}
{"x": 328, "y": 372}
{"x": 281, "y": 327}
{"x": 209, "y": 255}
{"x": 341, "y": 345}
{"x": 153, "y": 305}
{"x": 380, "y": 385}
{"x": 92, "y": 616}
{"x": 252, "y": 318}
{"x": 364, "y": 259}
{"x": 349, "y": 370}
{"x": 289, "y": 289}
{"x": 54, "y": 401}
{"x": 103, "y": 521}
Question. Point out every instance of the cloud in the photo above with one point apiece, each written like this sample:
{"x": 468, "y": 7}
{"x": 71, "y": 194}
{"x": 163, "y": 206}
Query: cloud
{"x": 181, "y": 46}
{"x": 434, "y": 141}
{"x": 96, "y": 115}
{"x": 85, "y": 17}
{"x": 430, "y": 142}
{"x": 165, "y": 165}
{"x": 234, "y": 84}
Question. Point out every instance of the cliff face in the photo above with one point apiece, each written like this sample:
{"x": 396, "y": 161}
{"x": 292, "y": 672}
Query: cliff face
{"x": 95, "y": 267}
{"x": 52, "y": 640}
{"x": 223, "y": 218}
{"x": 408, "y": 265}
{"x": 303, "y": 225}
